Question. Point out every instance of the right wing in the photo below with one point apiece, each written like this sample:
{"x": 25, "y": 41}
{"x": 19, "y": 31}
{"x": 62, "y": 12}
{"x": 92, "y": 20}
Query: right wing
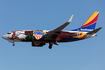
{"x": 56, "y": 32}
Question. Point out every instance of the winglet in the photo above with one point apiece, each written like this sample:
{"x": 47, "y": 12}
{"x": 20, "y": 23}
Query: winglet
{"x": 70, "y": 19}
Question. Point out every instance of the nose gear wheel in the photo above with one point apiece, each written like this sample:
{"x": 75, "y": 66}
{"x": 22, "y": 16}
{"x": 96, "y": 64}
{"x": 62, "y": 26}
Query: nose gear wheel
{"x": 13, "y": 44}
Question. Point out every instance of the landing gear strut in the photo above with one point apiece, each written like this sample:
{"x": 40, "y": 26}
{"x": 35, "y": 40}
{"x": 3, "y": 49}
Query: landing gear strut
{"x": 13, "y": 44}
{"x": 50, "y": 45}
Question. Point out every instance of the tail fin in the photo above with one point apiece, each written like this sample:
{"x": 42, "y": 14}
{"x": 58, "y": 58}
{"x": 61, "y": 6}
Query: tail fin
{"x": 90, "y": 24}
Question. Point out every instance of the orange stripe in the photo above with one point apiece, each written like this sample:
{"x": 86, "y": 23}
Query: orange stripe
{"x": 91, "y": 18}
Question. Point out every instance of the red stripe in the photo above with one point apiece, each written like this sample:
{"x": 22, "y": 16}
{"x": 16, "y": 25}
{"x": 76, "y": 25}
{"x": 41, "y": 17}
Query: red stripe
{"x": 91, "y": 22}
{"x": 37, "y": 36}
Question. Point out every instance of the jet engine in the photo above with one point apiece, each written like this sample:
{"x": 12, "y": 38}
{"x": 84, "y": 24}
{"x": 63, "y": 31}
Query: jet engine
{"x": 37, "y": 44}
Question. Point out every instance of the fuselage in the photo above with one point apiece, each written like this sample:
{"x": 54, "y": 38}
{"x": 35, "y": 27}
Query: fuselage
{"x": 37, "y": 36}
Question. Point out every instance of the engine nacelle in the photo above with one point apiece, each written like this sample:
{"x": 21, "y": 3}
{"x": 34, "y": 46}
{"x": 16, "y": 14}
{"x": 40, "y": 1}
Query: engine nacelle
{"x": 37, "y": 44}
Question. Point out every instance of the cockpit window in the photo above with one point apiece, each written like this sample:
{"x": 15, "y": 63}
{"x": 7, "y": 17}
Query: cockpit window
{"x": 8, "y": 33}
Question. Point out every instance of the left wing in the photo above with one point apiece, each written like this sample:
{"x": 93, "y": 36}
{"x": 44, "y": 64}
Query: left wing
{"x": 56, "y": 32}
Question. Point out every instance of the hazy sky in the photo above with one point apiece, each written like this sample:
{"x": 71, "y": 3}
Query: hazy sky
{"x": 87, "y": 54}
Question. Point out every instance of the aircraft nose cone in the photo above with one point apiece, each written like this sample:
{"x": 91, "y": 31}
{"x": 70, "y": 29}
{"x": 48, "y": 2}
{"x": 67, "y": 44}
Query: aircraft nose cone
{"x": 4, "y": 36}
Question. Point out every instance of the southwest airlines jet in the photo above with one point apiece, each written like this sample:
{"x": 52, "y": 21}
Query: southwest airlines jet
{"x": 38, "y": 38}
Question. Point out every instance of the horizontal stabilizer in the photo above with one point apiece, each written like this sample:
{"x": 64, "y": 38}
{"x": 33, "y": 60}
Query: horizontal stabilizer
{"x": 94, "y": 31}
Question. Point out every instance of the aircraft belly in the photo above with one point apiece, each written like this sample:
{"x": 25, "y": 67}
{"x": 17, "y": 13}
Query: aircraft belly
{"x": 69, "y": 40}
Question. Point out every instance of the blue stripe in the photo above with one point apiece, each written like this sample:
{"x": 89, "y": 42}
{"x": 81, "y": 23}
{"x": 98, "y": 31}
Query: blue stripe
{"x": 86, "y": 29}
{"x": 39, "y": 33}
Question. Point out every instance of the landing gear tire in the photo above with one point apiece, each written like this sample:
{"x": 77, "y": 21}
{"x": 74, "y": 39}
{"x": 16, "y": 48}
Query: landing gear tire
{"x": 50, "y": 46}
{"x": 13, "y": 44}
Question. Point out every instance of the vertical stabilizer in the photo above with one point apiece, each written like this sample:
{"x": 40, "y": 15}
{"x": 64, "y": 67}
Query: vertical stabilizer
{"x": 90, "y": 24}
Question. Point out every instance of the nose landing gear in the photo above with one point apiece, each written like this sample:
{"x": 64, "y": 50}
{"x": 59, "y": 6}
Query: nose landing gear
{"x": 13, "y": 44}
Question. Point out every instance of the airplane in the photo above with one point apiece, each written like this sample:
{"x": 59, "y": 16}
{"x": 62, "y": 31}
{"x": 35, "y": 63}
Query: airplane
{"x": 39, "y": 38}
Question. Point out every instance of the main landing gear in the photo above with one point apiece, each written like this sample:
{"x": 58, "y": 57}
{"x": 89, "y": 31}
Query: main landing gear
{"x": 50, "y": 45}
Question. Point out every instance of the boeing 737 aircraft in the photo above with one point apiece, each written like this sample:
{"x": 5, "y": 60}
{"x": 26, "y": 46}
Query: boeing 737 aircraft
{"x": 38, "y": 38}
